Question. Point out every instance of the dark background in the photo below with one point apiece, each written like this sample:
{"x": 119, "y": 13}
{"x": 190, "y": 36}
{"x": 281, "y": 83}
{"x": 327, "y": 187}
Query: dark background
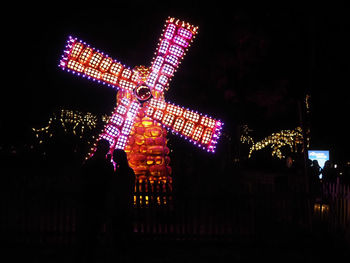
{"x": 246, "y": 66}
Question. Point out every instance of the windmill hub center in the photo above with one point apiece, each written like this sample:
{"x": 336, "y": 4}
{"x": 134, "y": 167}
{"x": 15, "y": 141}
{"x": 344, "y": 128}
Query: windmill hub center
{"x": 142, "y": 92}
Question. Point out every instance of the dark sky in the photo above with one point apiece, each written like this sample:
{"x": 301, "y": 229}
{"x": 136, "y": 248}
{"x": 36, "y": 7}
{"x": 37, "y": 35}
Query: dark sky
{"x": 245, "y": 66}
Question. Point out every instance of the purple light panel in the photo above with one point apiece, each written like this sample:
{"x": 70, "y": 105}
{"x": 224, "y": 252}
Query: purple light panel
{"x": 120, "y": 123}
{"x": 200, "y": 129}
{"x": 79, "y": 58}
{"x": 176, "y": 39}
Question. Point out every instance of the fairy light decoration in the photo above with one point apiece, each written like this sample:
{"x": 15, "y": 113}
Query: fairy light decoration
{"x": 276, "y": 141}
{"x": 72, "y": 121}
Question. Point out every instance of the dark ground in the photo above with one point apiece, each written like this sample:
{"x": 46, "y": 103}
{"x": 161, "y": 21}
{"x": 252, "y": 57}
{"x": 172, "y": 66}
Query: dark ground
{"x": 300, "y": 248}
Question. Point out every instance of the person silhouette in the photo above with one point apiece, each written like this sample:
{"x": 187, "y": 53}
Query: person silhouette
{"x": 329, "y": 173}
{"x": 96, "y": 175}
{"x": 315, "y": 178}
{"x": 124, "y": 184}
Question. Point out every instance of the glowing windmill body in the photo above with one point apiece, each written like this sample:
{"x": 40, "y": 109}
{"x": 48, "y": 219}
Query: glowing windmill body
{"x": 142, "y": 90}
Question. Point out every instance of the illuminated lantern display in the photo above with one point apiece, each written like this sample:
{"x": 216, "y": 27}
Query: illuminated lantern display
{"x": 140, "y": 121}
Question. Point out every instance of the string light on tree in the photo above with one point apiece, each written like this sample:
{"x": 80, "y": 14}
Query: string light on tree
{"x": 71, "y": 121}
{"x": 276, "y": 141}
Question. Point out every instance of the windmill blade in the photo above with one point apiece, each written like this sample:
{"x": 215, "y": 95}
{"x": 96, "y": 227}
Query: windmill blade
{"x": 119, "y": 126}
{"x": 172, "y": 47}
{"x": 201, "y": 130}
{"x": 83, "y": 60}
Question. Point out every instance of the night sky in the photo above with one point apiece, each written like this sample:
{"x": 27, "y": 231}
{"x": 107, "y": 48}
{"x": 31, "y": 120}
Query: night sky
{"x": 244, "y": 67}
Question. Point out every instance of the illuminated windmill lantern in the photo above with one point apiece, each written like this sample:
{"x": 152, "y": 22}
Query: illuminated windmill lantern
{"x": 138, "y": 122}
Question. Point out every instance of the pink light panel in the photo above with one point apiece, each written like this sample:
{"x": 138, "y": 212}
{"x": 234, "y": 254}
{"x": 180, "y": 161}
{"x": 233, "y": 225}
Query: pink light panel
{"x": 79, "y": 58}
{"x": 203, "y": 131}
{"x": 173, "y": 43}
{"x": 120, "y": 123}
